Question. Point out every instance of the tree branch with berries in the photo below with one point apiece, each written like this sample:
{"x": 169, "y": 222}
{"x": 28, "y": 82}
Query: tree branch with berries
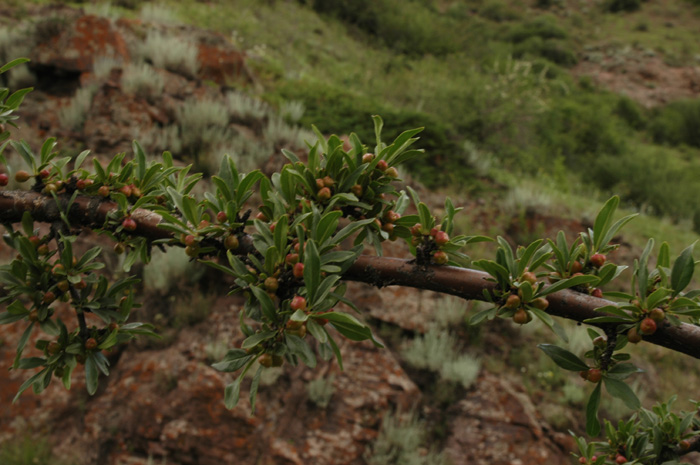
{"x": 290, "y": 241}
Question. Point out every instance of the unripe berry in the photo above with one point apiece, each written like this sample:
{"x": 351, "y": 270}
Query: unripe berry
{"x": 441, "y": 238}
{"x": 271, "y": 284}
{"x": 301, "y": 331}
{"x": 4, "y": 179}
{"x": 513, "y": 301}
{"x": 367, "y": 158}
{"x": 231, "y": 242}
{"x": 53, "y": 348}
{"x": 49, "y": 297}
{"x": 598, "y": 260}
{"x": 417, "y": 229}
{"x": 298, "y": 270}
{"x": 521, "y": 316}
{"x": 540, "y": 303}
{"x": 440, "y": 258}
{"x": 190, "y": 240}
{"x": 530, "y": 277}
{"x": 657, "y": 315}
{"x": 33, "y": 315}
{"x": 324, "y": 194}
{"x": 328, "y": 181}
{"x": 57, "y": 269}
{"x": 129, "y": 224}
{"x": 633, "y": 336}
{"x": 21, "y": 176}
{"x": 203, "y": 224}
{"x": 298, "y": 303}
{"x": 388, "y": 227}
{"x": 391, "y": 216}
{"x": 594, "y": 375}
{"x": 34, "y": 240}
{"x": 261, "y": 216}
{"x": 80, "y": 285}
{"x": 434, "y": 231}
{"x": 50, "y": 187}
{"x": 319, "y": 183}
{"x": 647, "y": 326}
{"x": 597, "y": 293}
{"x": 357, "y": 190}
{"x": 191, "y": 251}
{"x": 392, "y": 172}
{"x": 601, "y": 342}
{"x": 136, "y": 192}
{"x": 583, "y": 374}
{"x": 221, "y": 217}
{"x": 103, "y": 191}
{"x": 63, "y": 286}
{"x": 265, "y": 360}
{"x": 119, "y": 248}
{"x": 684, "y": 444}
{"x": 91, "y": 344}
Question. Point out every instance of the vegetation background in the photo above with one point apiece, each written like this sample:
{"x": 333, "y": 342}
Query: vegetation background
{"x": 534, "y": 111}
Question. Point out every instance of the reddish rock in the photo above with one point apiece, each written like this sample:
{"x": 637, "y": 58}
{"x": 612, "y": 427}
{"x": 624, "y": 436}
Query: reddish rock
{"x": 79, "y": 43}
{"x": 222, "y": 64}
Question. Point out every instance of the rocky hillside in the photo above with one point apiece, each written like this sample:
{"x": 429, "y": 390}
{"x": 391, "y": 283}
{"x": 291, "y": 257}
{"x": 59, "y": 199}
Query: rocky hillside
{"x": 100, "y": 82}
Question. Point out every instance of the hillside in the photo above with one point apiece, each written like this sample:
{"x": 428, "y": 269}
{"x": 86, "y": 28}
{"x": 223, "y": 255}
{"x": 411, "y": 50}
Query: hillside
{"x": 533, "y": 113}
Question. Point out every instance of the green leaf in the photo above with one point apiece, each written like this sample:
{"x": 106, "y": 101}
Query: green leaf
{"x": 350, "y": 327}
{"x": 91, "y": 373}
{"x": 266, "y": 303}
{"x": 312, "y": 269}
{"x": 592, "y": 422}
{"x": 254, "y": 388}
{"x": 603, "y": 220}
{"x": 621, "y": 390}
{"x": 301, "y": 349}
{"x": 12, "y": 64}
{"x": 28, "y": 383}
{"x": 623, "y": 370}
{"x": 256, "y": 339}
{"x": 567, "y": 283}
{"x": 563, "y": 357}
{"x": 232, "y": 393}
{"x": 683, "y": 269}
{"x": 317, "y": 331}
{"x": 20, "y": 345}
{"x": 234, "y": 360}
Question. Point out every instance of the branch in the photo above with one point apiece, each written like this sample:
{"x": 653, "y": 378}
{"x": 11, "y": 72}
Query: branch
{"x": 379, "y": 271}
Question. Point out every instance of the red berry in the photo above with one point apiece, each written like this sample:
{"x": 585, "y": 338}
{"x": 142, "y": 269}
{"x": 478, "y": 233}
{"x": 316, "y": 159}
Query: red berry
{"x": 434, "y": 231}
{"x": 583, "y": 374}
{"x": 129, "y": 224}
{"x": 126, "y": 190}
{"x": 43, "y": 174}
{"x": 190, "y": 239}
{"x": 319, "y": 183}
{"x": 685, "y": 444}
{"x": 647, "y": 326}
{"x": 91, "y": 344}
{"x": 298, "y": 303}
{"x": 324, "y": 194}
{"x": 598, "y": 260}
{"x": 440, "y": 258}
{"x": 49, "y": 297}
{"x": 103, "y": 191}
{"x": 328, "y": 181}
{"x": 80, "y": 184}
{"x": 388, "y": 227}
{"x": 298, "y": 270}
{"x": 221, "y": 217}
{"x": 80, "y": 285}
{"x": 231, "y": 242}
{"x": 441, "y": 238}
{"x": 382, "y": 165}
{"x": 597, "y": 293}
{"x": 391, "y": 216}
{"x": 620, "y": 459}
{"x": 21, "y": 176}
{"x": 261, "y": 216}
{"x": 203, "y": 224}
{"x": 582, "y": 460}
{"x": 576, "y": 267}
{"x": 540, "y": 303}
{"x": 4, "y": 179}
{"x": 292, "y": 259}
{"x": 34, "y": 240}
{"x": 594, "y": 375}
{"x": 417, "y": 229}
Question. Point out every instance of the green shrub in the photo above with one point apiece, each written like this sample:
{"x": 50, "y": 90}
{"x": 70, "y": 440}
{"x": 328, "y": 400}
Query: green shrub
{"x": 631, "y": 113}
{"x": 498, "y": 11}
{"x": 28, "y": 451}
{"x": 556, "y": 51}
{"x": 321, "y": 390}
{"x": 407, "y": 26}
{"x": 615, "y": 6}
{"x": 677, "y": 123}
{"x": 544, "y": 27}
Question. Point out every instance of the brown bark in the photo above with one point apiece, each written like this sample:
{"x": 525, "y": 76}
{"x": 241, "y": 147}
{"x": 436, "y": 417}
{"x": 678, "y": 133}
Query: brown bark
{"x": 378, "y": 271}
